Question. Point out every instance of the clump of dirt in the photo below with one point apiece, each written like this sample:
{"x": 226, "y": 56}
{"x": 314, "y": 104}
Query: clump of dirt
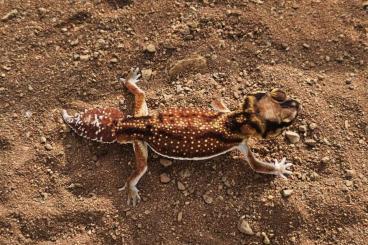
{"x": 58, "y": 188}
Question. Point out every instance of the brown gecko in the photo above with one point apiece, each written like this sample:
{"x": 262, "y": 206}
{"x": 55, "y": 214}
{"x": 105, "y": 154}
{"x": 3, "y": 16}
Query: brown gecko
{"x": 189, "y": 133}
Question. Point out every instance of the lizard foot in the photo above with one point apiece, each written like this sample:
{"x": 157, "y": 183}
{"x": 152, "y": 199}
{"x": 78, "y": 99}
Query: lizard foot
{"x": 133, "y": 75}
{"x": 281, "y": 168}
{"x": 133, "y": 196}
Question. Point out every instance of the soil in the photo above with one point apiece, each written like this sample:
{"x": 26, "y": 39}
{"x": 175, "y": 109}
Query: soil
{"x": 57, "y": 188}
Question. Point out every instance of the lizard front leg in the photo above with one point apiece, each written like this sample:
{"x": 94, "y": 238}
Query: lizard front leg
{"x": 218, "y": 105}
{"x": 140, "y": 107}
{"x": 140, "y": 151}
{"x": 278, "y": 168}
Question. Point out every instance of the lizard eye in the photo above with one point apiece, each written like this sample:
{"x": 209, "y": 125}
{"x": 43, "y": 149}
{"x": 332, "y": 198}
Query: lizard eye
{"x": 278, "y": 95}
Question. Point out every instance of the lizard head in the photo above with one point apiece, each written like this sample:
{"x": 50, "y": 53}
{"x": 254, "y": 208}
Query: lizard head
{"x": 268, "y": 113}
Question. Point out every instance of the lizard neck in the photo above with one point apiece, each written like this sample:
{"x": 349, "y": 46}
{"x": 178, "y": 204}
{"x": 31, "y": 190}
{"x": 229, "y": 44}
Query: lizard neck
{"x": 244, "y": 123}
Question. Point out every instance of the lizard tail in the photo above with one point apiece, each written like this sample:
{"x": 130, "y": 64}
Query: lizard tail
{"x": 98, "y": 124}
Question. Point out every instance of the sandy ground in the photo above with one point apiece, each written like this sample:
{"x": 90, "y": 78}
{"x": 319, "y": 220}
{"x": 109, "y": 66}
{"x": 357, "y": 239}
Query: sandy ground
{"x": 56, "y": 188}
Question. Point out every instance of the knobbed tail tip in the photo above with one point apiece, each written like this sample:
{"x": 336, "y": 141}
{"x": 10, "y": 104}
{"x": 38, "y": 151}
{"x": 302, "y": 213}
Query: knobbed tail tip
{"x": 66, "y": 117}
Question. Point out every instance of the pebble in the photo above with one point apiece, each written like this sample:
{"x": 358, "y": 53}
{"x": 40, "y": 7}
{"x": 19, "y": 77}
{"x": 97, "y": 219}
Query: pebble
{"x": 114, "y": 60}
{"x": 193, "y": 63}
{"x": 30, "y": 88}
{"x": 313, "y": 126}
{"x": 207, "y": 199}
{"x": 146, "y": 74}
{"x": 292, "y": 137}
{"x": 164, "y": 178}
{"x": 366, "y": 130}
{"x": 303, "y": 128}
{"x": 43, "y": 139}
{"x": 84, "y": 57}
{"x": 11, "y": 14}
{"x": 48, "y": 147}
{"x": 266, "y": 240}
{"x": 350, "y": 173}
{"x": 150, "y": 48}
{"x": 165, "y": 162}
{"x": 306, "y": 46}
{"x": 348, "y": 183}
{"x": 181, "y": 186}
{"x": 310, "y": 142}
{"x": 180, "y": 216}
{"x": 325, "y": 160}
{"x": 287, "y": 192}
{"x": 244, "y": 227}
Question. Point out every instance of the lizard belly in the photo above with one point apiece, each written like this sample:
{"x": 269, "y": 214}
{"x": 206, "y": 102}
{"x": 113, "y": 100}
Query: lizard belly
{"x": 187, "y": 155}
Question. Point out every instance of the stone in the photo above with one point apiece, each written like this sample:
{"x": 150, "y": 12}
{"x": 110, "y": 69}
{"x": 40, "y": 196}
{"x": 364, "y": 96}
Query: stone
{"x": 194, "y": 63}
{"x": 348, "y": 183}
{"x": 350, "y": 173}
{"x": 292, "y": 137}
{"x": 146, "y": 74}
{"x": 181, "y": 186}
{"x": 244, "y": 227}
{"x": 313, "y": 126}
{"x": 84, "y": 57}
{"x": 310, "y": 142}
{"x": 180, "y": 216}
{"x": 10, "y": 15}
{"x": 207, "y": 199}
{"x": 150, "y": 48}
{"x": 43, "y": 139}
{"x": 287, "y": 192}
{"x": 325, "y": 160}
{"x": 165, "y": 162}
{"x": 303, "y": 128}
{"x": 164, "y": 178}
{"x": 114, "y": 60}
{"x": 48, "y": 147}
{"x": 266, "y": 240}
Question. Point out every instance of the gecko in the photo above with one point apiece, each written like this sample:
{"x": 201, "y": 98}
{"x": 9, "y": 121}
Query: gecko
{"x": 189, "y": 133}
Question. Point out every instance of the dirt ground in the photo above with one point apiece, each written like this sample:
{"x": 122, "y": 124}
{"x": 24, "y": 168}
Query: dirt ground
{"x": 57, "y": 188}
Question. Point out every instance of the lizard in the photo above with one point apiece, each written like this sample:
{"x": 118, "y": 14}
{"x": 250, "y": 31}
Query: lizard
{"x": 189, "y": 133}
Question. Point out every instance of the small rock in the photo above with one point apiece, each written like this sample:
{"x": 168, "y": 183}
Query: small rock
{"x": 74, "y": 42}
{"x": 287, "y": 192}
{"x": 303, "y": 128}
{"x": 150, "y": 48}
{"x": 180, "y": 216}
{"x": 207, "y": 199}
{"x": 43, "y": 140}
{"x": 181, "y": 186}
{"x": 293, "y": 137}
{"x": 313, "y": 126}
{"x": 146, "y": 74}
{"x": 310, "y": 142}
{"x": 114, "y": 60}
{"x": 84, "y": 57}
{"x": 350, "y": 173}
{"x": 165, "y": 162}
{"x": 348, "y": 183}
{"x": 48, "y": 147}
{"x": 30, "y": 88}
{"x": 314, "y": 176}
{"x": 266, "y": 240}
{"x": 10, "y": 15}
{"x": 244, "y": 227}
{"x": 306, "y": 46}
{"x": 193, "y": 63}
{"x": 164, "y": 178}
{"x": 325, "y": 160}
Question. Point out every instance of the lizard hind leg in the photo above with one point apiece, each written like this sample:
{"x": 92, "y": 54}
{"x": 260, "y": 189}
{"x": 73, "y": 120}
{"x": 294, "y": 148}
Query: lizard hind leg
{"x": 140, "y": 151}
{"x": 98, "y": 124}
{"x": 140, "y": 107}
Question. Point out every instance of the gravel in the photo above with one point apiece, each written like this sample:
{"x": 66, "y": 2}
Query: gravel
{"x": 292, "y": 137}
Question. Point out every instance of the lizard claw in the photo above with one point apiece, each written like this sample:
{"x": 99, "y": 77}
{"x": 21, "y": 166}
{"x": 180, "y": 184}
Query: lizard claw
{"x": 282, "y": 168}
{"x": 133, "y": 196}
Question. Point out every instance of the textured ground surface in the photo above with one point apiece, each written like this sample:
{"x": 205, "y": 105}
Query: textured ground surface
{"x": 67, "y": 54}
